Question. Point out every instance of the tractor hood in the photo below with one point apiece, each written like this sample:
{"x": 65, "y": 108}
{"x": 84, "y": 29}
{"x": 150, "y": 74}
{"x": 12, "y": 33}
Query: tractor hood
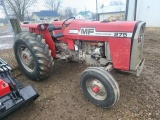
{"x": 117, "y": 26}
{"x": 78, "y": 28}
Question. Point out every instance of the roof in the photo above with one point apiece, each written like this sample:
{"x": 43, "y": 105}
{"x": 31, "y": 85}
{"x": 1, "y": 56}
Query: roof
{"x": 46, "y": 13}
{"x": 112, "y": 12}
{"x": 83, "y": 13}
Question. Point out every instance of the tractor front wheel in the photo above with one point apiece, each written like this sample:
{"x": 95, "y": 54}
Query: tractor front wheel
{"x": 33, "y": 56}
{"x": 100, "y": 87}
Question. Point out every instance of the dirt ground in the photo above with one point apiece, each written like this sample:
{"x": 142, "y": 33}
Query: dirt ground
{"x": 61, "y": 97}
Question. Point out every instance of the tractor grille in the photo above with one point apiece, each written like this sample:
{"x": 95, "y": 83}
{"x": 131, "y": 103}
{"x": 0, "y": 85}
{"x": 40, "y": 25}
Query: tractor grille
{"x": 138, "y": 54}
{"x": 137, "y": 47}
{"x": 140, "y": 48}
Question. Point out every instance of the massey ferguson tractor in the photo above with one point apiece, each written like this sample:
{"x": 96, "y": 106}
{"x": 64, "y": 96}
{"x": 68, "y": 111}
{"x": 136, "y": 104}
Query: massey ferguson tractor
{"x": 103, "y": 45}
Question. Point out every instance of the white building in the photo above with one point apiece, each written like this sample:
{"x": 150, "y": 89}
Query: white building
{"x": 1, "y": 24}
{"x": 115, "y": 12}
{"x": 84, "y": 15}
{"x": 144, "y": 10}
{"x": 120, "y": 15}
{"x": 45, "y": 15}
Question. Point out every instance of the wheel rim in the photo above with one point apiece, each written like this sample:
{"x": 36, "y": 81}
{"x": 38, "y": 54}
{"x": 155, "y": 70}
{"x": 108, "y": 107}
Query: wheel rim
{"x": 96, "y": 89}
{"x": 26, "y": 58}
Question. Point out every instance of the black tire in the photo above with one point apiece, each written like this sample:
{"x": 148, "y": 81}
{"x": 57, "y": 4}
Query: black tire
{"x": 108, "y": 82}
{"x": 39, "y": 52}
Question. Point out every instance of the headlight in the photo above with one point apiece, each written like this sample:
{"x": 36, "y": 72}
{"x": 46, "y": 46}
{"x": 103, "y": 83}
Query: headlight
{"x": 42, "y": 27}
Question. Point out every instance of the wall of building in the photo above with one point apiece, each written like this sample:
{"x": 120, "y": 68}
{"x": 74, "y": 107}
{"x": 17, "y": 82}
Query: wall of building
{"x": 52, "y": 18}
{"x": 88, "y": 17}
{"x": 109, "y": 16}
{"x": 79, "y": 16}
{"x": 131, "y": 8}
{"x": 36, "y": 18}
{"x": 147, "y": 10}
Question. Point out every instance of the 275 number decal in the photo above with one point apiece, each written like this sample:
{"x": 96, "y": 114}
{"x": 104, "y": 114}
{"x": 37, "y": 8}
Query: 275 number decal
{"x": 120, "y": 34}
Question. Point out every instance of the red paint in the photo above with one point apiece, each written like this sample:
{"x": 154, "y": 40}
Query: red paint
{"x": 120, "y": 52}
{"x": 27, "y": 58}
{"x": 70, "y": 44}
{"x": 46, "y": 35}
{"x": 118, "y": 26}
{"x": 4, "y": 88}
{"x": 49, "y": 41}
{"x": 119, "y": 47}
{"x": 34, "y": 25}
{"x": 95, "y": 89}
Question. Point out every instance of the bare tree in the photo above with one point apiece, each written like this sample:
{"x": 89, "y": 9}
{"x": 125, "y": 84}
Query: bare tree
{"x": 68, "y": 12}
{"x": 74, "y": 12}
{"x": 118, "y": 3}
{"x": 53, "y": 4}
{"x": 19, "y": 8}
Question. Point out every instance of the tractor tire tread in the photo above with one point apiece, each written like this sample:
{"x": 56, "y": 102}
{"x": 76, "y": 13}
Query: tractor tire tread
{"x": 41, "y": 54}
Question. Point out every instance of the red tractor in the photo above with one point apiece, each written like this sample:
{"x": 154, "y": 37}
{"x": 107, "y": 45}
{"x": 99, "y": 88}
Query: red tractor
{"x": 104, "y": 45}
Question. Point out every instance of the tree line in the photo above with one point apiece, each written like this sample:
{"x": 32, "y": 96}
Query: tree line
{"x": 21, "y": 8}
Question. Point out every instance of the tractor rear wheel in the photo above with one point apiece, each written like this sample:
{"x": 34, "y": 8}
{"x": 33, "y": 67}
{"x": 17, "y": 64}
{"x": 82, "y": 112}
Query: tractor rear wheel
{"x": 33, "y": 56}
{"x": 100, "y": 87}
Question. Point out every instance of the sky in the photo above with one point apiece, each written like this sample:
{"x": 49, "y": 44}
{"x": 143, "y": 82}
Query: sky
{"x": 80, "y": 5}
{"x": 88, "y": 4}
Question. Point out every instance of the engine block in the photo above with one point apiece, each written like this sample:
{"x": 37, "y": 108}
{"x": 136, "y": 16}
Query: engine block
{"x": 92, "y": 53}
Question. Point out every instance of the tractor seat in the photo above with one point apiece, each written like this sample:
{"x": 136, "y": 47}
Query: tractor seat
{"x": 58, "y": 35}
{"x": 51, "y": 28}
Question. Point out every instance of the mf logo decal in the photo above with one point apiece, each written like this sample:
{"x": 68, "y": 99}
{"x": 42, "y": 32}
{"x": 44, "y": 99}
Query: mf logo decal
{"x": 93, "y": 32}
{"x": 87, "y": 31}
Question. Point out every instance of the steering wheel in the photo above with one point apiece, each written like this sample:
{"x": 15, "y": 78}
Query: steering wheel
{"x": 64, "y": 23}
